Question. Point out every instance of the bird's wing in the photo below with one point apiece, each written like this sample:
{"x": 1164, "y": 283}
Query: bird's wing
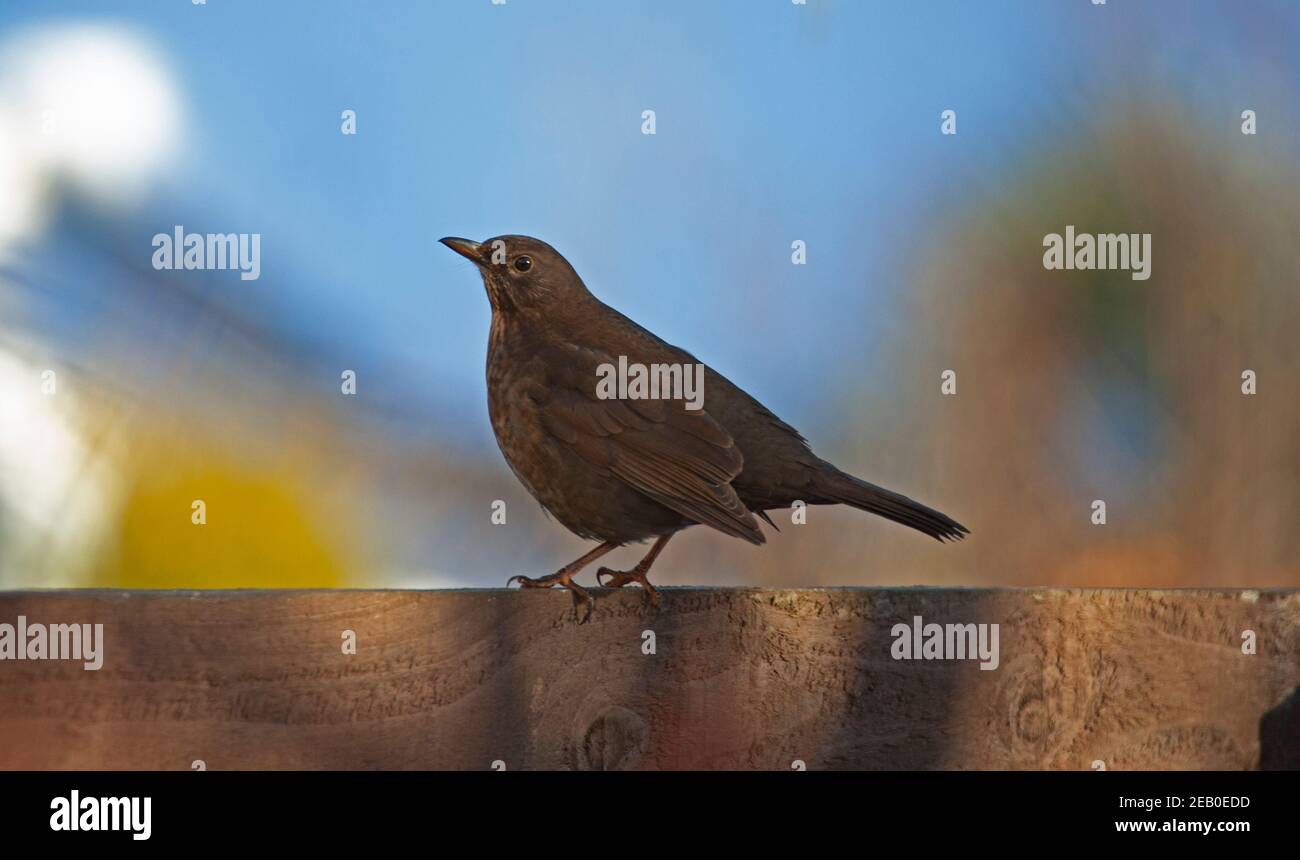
{"x": 681, "y": 458}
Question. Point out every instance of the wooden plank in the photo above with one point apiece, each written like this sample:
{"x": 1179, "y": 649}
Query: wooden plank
{"x": 740, "y": 678}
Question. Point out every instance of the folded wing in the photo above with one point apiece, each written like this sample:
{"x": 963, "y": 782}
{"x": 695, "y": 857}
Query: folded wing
{"x": 679, "y": 457}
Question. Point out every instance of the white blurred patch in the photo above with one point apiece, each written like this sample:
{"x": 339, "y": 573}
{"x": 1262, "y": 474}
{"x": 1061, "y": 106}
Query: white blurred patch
{"x": 57, "y": 490}
{"x": 86, "y": 109}
{"x": 23, "y": 209}
{"x": 88, "y": 106}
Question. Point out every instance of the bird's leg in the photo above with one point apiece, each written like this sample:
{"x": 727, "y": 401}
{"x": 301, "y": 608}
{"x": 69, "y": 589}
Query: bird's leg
{"x": 564, "y": 577}
{"x": 620, "y": 578}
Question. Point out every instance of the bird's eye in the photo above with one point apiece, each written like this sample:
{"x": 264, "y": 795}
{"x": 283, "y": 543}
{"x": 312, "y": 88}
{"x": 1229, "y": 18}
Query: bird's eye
{"x": 523, "y": 264}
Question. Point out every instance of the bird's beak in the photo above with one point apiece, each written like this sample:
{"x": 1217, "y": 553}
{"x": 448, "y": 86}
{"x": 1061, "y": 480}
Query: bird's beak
{"x": 472, "y": 251}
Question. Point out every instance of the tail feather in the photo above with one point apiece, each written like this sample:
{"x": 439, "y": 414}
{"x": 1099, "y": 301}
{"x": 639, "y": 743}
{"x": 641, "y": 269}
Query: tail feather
{"x": 845, "y": 489}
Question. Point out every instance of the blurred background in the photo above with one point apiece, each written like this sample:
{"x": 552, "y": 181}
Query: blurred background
{"x": 126, "y": 393}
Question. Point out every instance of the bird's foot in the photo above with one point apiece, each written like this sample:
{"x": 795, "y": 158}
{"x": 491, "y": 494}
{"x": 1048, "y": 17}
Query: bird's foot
{"x": 563, "y": 578}
{"x": 620, "y": 578}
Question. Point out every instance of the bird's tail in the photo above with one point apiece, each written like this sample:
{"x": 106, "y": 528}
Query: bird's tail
{"x": 841, "y": 488}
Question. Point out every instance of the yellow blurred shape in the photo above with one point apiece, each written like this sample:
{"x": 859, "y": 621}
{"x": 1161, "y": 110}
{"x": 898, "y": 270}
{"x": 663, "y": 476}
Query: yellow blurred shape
{"x": 260, "y": 531}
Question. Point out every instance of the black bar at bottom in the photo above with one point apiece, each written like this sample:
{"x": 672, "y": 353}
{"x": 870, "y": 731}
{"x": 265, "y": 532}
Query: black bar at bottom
{"x": 328, "y": 809}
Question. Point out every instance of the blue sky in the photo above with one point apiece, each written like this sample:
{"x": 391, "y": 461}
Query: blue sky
{"x": 775, "y": 122}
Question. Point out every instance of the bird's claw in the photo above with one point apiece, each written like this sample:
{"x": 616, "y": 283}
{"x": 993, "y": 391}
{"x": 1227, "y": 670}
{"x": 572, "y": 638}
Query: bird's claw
{"x": 541, "y": 581}
{"x": 620, "y": 578}
{"x": 581, "y": 597}
{"x": 617, "y": 578}
{"x": 651, "y": 594}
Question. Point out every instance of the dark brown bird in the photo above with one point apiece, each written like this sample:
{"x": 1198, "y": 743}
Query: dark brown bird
{"x": 628, "y": 469}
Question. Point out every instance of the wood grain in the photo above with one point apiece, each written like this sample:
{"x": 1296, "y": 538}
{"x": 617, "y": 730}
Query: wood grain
{"x": 741, "y": 679}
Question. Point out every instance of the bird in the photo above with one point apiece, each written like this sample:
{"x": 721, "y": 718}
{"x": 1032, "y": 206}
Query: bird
{"x": 616, "y": 466}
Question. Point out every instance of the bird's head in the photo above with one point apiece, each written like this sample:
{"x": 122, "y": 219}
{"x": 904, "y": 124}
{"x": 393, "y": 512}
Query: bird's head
{"x": 521, "y": 273}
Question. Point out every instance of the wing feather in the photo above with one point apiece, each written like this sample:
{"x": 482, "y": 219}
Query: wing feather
{"x": 681, "y": 458}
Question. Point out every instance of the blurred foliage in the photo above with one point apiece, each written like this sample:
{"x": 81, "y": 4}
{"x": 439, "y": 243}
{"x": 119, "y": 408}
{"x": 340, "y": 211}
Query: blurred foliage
{"x": 1083, "y": 385}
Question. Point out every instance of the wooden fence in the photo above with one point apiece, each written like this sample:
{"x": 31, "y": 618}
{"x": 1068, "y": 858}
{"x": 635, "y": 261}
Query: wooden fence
{"x": 714, "y": 679}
